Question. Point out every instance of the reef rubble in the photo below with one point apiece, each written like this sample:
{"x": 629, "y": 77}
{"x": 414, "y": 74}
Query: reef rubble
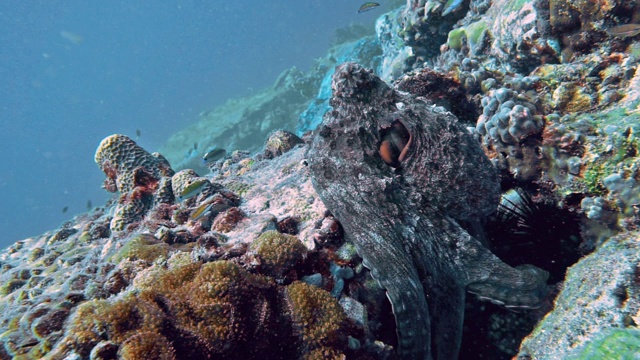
{"x": 240, "y": 258}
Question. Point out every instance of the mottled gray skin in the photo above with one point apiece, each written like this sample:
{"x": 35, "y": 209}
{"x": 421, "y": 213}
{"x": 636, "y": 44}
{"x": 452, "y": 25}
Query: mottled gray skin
{"x": 404, "y": 219}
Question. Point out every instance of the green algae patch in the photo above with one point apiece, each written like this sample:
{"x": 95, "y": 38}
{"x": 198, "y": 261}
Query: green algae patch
{"x": 11, "y": 286}
{"x": 617, "y": 344}
{"x": 454, "y": 40}
{"x": 142, "y": 247}
{"x": 473, "y": 32}
{"x": 238, "y": 187}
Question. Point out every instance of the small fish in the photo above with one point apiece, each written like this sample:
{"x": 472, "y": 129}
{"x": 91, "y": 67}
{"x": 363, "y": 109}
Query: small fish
{"x": 89, "y": 205}
{"x": 214, "y": 155}
{"x": 193, "y": 189}
{"x": 138, "y": 133}
{"x": 367, "y": 6}
{"x": 627, "y": 30}
{"x": 200, "y": 211}
{"x": 64, "y": 209}
{"x": 195, "y": 146}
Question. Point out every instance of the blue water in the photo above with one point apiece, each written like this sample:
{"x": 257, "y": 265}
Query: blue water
{"x": 73, "y": 72}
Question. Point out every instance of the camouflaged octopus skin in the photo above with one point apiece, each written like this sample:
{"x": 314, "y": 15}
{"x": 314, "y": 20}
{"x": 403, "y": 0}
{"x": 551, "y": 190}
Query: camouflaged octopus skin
{"x": 401, "y": 176}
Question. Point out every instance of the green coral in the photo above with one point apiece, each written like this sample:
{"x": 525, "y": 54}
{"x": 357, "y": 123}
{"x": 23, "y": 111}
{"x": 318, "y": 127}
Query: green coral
{"x": 593, "y": 178}
{"x": 278, "y": 252}
{"x": 473, "y": 33}
{"x": 616, "y": 344}
{"x": 143, "y": 247}
{"x": 454, "y": 41}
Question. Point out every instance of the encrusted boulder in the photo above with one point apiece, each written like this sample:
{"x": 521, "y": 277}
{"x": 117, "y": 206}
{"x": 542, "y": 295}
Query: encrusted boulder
{"x": 119, "y": 157}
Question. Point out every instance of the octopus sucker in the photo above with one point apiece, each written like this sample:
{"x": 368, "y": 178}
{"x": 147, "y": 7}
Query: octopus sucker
{"x": 405, "y": 221}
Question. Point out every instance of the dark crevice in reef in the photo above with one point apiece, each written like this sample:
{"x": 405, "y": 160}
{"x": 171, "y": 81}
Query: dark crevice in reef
{"x": 524, "y": 230}
{"x": 527, "y": 231}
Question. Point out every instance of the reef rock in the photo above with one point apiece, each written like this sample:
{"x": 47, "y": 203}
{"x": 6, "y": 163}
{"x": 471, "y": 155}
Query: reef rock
{"x": 600, "y": 293}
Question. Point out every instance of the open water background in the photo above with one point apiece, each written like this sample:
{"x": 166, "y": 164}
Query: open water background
{"x": 75, "y": 71}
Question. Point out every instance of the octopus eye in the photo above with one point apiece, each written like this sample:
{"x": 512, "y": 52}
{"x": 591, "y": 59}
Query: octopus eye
{"x": 395, "y": 143}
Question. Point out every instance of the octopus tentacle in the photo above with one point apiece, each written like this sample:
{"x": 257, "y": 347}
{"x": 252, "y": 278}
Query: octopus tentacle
{"x": 406, "y": 294}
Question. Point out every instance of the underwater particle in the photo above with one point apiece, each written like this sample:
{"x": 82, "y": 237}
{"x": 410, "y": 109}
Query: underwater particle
{"x": 71, "y": 37}
{"x": 367, "y": 6}
{"x": 213, "y": 155}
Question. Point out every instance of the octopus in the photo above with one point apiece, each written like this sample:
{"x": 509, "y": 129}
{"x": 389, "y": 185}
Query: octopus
{"x": 410, "y": 186}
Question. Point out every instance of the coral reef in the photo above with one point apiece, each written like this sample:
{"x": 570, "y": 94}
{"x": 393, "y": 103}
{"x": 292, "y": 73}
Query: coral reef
{"x": 279, "y": 142}
{"x": 601, "y": 292}
{"x": 135, "y": 174}
{"x": 278, "y": 253}
{"x": 204, "y": 262}
{"x": 121, "y": 159}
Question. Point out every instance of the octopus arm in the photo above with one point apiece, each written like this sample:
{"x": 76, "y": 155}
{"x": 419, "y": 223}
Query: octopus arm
{"x": 394, "y": 272}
